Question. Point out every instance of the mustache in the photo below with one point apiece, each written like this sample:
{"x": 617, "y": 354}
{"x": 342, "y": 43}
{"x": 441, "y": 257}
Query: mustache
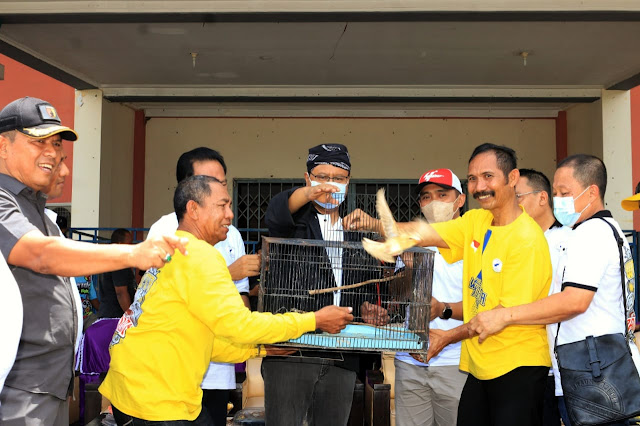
{"x": 478, "y": 194}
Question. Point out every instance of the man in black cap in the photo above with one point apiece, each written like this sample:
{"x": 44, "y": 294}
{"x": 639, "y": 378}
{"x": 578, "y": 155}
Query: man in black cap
{"x": 36, "y": 389}
{"x": 319, "y": 385}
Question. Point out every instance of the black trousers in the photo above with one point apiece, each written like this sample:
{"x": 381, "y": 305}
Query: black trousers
{"x": 513, "y": 398}
{"x": 299, "y": 392}
{"x": 215, "y": 401}
{"x": 123, "y": 419}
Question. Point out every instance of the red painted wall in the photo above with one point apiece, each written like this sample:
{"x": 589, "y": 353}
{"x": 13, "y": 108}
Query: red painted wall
{"x": 635, "y": 148}
{"x": 19, "y": 81}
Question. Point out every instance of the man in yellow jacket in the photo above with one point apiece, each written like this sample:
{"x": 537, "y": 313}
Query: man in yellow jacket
{"x": 189, "y": 313}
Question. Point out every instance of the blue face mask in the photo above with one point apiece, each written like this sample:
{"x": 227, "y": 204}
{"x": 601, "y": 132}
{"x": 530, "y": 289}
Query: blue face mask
{"x": 564, "y": 209}
{"x": 340, "y": 195}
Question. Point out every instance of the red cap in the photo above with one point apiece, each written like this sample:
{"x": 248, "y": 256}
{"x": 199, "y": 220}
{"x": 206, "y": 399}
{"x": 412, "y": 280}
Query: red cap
{"x": 442, "y": 177}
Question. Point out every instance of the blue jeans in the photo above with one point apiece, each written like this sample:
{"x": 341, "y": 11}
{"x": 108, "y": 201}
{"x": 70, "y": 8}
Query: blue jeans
{"x": 123, "y": 419}
{"x": 305, "y": 391}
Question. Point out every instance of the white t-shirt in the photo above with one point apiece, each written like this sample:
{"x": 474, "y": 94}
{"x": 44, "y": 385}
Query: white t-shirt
{"x": 557, "y": 237}
{"x": 446, "y": 287}
{"x": 76, "y": 293}
{"x": 592, "y": 262}
{"x": 10, "y": 318}
{"x": 333, "y": 232}
{"x": 219, "y": 375}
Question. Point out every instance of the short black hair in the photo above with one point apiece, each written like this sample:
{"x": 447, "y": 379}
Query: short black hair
{"x": 538, "y": 181}
{"x": 637, "y": 188}
{"x": 505, "y": 156}
{"x": 119, "y": 235}
{"x": 184, "y": 168}
{"x": 195, "y": 188}
{"x": 588, "y": 170}
{"x": 62, "y": 222}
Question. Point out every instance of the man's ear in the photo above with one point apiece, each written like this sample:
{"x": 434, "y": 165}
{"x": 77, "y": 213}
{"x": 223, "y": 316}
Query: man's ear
{"x": 4, "y": 145}
{"x": 513, "y": 176}
{"x": 307, "y": 179}
{"x": 544, "y": 198}
{"x": 461, "y": 200}
{"x": 192, "y": 209}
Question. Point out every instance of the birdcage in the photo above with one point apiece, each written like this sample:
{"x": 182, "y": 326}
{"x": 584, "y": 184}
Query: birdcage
{"x": 391, "y": 302}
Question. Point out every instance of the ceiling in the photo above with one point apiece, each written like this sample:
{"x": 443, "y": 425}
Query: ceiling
{"x": 410, "y": 57}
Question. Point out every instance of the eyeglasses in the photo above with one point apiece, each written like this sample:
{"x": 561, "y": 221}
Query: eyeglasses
{"x": 325, "y": 178}
{"x": 526, "y": 193}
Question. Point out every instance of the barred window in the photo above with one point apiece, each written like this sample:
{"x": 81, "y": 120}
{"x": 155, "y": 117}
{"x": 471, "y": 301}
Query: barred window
{"x": 251, "y": 198}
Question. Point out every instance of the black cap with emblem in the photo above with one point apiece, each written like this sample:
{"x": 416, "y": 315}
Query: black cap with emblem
{"x": 34, "y": 117}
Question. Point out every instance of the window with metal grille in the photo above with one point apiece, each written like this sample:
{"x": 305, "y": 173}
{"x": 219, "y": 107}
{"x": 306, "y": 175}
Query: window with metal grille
{"x": 251, "y": 198}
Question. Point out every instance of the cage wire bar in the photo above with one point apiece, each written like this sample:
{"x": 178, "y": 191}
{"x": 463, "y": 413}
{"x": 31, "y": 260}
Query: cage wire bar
{"x": 391, "y": 302}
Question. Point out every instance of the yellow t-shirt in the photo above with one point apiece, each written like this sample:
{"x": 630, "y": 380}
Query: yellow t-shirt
{"x": 185, "y": 315}
{"x": 503, "y": 265}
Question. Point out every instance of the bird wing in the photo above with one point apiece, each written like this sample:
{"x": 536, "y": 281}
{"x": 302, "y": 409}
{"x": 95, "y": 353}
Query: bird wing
{"x": 389, "y": 227}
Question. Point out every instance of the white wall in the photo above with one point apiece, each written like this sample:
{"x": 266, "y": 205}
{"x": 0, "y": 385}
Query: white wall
{"x": 380, "y": 148}
{"x": 116, "y": 173}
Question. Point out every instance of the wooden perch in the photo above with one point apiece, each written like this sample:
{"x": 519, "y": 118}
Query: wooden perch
{"x": 356, "y": 285}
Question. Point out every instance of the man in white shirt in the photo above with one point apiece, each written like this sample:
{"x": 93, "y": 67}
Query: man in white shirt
{"x": 54, "y": 191}
{"x": 220, "y": 378}
{"x": 533, "y": 191}
{"x": 11, "y": 318}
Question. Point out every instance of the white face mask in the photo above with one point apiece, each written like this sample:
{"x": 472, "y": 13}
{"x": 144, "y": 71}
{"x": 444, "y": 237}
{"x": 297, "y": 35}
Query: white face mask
{"x": 439, "y": 211}
{"x": 340, "y": 195}
{"x": 564, "y": 209}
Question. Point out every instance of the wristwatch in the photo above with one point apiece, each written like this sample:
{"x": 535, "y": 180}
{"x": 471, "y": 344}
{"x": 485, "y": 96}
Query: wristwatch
{"x": 446, "y": 312}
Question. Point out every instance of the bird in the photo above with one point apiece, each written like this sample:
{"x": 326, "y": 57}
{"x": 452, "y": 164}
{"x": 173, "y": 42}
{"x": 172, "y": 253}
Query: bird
{"x": 396, "y": 241}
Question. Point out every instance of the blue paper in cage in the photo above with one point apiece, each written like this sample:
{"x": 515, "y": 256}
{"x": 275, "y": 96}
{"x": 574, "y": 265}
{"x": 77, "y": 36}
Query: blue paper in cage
{"x": 361, "y": 336}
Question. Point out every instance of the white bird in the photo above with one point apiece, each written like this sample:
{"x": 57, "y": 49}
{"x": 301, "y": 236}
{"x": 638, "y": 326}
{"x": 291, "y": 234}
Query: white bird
{"x": 396, "y": 241}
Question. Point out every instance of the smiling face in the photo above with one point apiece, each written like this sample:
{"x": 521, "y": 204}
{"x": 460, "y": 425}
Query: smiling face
{"x": 57, "y": 181}
{"x": 29, "y": 160}
{"x": 488, "y": 184}
{"x": 213, "y": 216}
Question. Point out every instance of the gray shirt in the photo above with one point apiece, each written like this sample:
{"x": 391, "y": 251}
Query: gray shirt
{"x": 44, "y": 363}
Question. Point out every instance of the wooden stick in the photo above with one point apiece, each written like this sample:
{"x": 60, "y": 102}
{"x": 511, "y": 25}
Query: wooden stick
{"x": 356, "y": 285}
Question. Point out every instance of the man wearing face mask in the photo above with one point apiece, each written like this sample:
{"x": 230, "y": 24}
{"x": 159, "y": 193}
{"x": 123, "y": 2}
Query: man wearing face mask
{"x": 319, "y": 385}
{"x": 428, "y": 394}
{"x": 587, "y": 298}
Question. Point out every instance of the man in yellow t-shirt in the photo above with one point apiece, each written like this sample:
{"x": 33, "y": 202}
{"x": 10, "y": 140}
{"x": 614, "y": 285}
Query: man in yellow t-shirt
{"x": 506, "y": 262}
{"x": 189, "y": 313}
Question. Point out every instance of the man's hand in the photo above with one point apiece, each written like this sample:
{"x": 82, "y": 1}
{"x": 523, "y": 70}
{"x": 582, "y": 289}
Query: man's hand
{"x": 246, "y": 266}
{"x": 419, "y": 357}
{"x": 438, "y": 340}
{"x": 333, "y": 318}
{"x": 374, "y": 314}
{"x": 277, "y": 351}
{"x": 489, "y": 322}
{"x": 358, "y": 220}
{"x": 321, "y": 193}
{"x": 156, "y": 251}
{"x": 437, "y": 308}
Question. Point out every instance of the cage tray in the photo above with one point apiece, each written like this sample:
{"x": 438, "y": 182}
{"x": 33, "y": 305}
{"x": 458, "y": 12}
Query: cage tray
{"x": 362, "y": 336}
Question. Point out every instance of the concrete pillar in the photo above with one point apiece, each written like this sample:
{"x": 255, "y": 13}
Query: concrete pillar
{"x": 616, "y": 152}
{"x": 85, "y": 200}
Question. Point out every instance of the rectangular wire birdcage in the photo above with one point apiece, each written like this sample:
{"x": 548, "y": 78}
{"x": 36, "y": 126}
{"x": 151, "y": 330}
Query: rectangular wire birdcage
{"x": 391, "y": 302}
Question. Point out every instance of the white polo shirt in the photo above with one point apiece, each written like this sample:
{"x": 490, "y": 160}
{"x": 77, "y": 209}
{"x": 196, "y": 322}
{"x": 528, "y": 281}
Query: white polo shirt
{"x": 557, "y": 237}
{"x": 219, "y": 375}
{"x": 593, "y": 263}
{"x": 10, "y": 318}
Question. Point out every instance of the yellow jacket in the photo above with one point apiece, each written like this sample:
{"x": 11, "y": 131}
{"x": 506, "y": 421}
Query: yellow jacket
{"x": 185, "y": 315}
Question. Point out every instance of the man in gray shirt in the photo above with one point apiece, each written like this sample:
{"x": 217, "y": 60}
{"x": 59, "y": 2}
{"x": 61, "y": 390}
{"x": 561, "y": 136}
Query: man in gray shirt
{"x": 36, "y": 389}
